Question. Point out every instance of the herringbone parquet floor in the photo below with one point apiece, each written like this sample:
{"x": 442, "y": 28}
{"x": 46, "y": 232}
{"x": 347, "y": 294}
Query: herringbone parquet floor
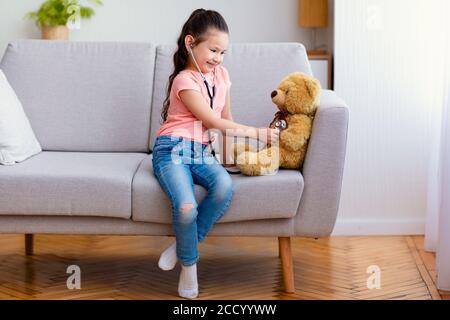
{"x": 125, "y": 267}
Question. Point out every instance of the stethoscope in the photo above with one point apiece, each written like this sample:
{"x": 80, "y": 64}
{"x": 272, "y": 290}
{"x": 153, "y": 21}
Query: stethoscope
{"x": 213, "y": 87}
{"x": 211, "y": 101}
{"x": 211, "y": 96}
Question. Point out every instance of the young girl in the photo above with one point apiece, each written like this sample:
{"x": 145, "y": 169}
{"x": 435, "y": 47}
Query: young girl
{"x": 198, "y": 98}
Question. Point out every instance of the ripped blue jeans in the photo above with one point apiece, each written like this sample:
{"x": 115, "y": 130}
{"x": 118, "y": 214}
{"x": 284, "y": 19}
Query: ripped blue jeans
{"x": 178, "y": 163}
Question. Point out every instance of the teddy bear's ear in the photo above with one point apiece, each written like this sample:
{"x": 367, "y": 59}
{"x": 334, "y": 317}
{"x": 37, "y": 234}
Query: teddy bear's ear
{"x": 313, "y": 87}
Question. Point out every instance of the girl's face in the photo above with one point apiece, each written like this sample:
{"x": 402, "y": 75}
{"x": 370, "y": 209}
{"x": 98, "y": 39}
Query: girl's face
{"x": 209, "y": 53}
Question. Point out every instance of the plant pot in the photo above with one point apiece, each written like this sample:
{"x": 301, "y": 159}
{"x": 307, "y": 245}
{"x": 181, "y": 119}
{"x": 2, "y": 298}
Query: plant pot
{"x": 55, "y": 33}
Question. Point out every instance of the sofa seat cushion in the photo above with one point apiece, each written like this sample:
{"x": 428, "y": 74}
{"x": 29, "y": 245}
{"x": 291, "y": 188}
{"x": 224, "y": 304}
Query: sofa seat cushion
{"x": 254, "y": 198}
{"x": 70, "y": 184}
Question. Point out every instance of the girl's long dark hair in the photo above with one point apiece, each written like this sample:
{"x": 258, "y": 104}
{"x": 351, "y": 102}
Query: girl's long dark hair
{"x": 197, "y": 25}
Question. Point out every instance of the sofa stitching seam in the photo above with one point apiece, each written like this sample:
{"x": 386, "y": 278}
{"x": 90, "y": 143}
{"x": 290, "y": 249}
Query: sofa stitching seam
{"x": 131, "y": 186}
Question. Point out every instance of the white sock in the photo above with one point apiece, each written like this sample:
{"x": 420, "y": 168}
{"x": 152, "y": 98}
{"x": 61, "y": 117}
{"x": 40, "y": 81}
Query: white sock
{"x": 188, "y": 285}
{"x": 168, "y": 258}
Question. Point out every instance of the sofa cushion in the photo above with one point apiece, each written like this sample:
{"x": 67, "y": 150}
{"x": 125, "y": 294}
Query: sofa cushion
{"x": 70, "y": 184}
{"x": 84, "y": 96}
{"x": 254, "y": 198}
{"x": 255, "y": 70}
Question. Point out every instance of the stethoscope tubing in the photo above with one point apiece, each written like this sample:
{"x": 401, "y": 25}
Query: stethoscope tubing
{"x": 211, "y": 102}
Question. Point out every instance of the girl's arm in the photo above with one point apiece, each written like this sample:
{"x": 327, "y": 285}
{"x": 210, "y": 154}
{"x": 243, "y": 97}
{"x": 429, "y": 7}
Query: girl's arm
{"x": 226, "y": 112}
{"x": 195, "y": 102}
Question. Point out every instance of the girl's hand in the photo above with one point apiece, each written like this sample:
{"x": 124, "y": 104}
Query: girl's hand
{"x": 213, "y": 137}
{"x": 268, "y": 135}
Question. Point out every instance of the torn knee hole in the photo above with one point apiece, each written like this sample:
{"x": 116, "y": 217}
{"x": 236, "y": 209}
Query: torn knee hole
{"x": 186, "y": 208}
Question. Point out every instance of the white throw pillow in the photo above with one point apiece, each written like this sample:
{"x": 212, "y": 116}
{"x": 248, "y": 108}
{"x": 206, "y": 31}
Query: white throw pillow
{"x": 17, "y": 139}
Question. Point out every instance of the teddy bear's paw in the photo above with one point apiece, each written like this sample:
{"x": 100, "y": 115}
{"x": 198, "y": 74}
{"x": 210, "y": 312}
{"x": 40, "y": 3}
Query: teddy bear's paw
{"x": 269, "y": 171}
{"x": 269, "y": 157}
{"x": 238, "y": 148}
{"x": 258, "y": 170}
{"x": 247, "y": 158}
{"x": 264, "y": 162}
{"x": 247, "y": 162}
{"x": 270, "y": 162}
{"x": 250, "y": 169}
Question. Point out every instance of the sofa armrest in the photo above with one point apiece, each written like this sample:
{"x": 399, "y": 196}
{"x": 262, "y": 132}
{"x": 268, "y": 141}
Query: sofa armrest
{"x": 323, "y": 168}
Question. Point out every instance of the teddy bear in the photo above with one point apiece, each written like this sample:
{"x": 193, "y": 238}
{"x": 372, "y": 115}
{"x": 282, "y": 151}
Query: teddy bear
{"x": 297, "y": 98}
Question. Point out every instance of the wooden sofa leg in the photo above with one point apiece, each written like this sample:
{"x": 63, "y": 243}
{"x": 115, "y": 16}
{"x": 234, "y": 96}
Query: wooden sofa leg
{"x": 29, "y": 239}
{"x": 279, "y": 248}
{"x": 284, "y": 246}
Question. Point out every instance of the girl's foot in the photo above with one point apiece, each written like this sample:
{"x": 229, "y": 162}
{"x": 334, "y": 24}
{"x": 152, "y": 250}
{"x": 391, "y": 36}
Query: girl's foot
{"x": 168, "y": 258}
{"x": 188, "y": 285}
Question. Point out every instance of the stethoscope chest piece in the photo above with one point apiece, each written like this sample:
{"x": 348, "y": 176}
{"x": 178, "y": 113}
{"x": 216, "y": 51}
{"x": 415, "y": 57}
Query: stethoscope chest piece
{"x": 280, "y": 121}
{"x": 281, "y": 124}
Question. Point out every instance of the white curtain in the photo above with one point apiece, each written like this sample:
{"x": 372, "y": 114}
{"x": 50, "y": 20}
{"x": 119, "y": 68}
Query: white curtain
{"x": 437, "y": 236}
{"x": 437, "y": 164}
{"x": 388, "y": 67}
{"x": 443, "y": 245}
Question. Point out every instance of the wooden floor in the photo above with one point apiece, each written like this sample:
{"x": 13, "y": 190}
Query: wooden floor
{"x": 123, "y": 267}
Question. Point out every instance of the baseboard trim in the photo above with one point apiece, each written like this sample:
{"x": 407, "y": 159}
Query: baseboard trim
{"x": 379, "y": 227}
{"x": 443, "y": 288}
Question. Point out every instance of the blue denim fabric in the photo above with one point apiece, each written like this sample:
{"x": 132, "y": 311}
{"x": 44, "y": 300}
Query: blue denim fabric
{"x": 178, "y": 163}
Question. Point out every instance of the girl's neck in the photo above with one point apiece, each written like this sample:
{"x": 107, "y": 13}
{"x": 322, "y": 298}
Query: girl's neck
{"x": 191, "y": 67}
{"x": 206, "y": 74}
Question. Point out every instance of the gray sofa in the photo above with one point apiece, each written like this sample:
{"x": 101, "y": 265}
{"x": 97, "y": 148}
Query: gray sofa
{"x": 95, "y": 108}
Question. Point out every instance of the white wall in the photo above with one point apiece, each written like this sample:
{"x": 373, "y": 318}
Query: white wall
{"x": 388, "y": 68}
{"x": 161, "y": 21}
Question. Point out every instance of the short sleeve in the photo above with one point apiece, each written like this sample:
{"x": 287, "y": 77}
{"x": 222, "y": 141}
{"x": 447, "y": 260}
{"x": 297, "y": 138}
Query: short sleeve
{"x": 226, "y": 77}
{"x": 184, "y": 82}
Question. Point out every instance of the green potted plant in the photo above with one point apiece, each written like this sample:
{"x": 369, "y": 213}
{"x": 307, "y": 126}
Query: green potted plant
{"x": 54, "y": 17}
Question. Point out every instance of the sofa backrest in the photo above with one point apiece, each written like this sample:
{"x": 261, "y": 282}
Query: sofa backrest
{"x": 84, "y": 96}
{"x": 108, "y": 96}
{"x": 255, "y": 71}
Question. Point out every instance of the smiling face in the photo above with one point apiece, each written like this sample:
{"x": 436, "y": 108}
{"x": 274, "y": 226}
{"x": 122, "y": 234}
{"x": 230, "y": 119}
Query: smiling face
{"x": 208, "y": 53}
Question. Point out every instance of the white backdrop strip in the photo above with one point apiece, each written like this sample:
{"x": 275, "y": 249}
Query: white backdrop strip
{"x": 388, "y": 68}
{"x": 161, "y": 21}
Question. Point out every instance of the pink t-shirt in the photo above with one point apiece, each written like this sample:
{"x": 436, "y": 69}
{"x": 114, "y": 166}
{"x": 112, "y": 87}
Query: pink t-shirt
{"x": 180, "y": 121}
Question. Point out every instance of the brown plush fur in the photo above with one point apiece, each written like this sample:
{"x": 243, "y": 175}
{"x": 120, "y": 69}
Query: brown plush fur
{"x": 298, "y": 96}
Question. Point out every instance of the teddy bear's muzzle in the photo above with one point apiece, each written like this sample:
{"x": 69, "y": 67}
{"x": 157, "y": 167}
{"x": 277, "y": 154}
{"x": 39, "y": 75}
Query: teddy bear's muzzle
{"x": 278, "y": 97}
